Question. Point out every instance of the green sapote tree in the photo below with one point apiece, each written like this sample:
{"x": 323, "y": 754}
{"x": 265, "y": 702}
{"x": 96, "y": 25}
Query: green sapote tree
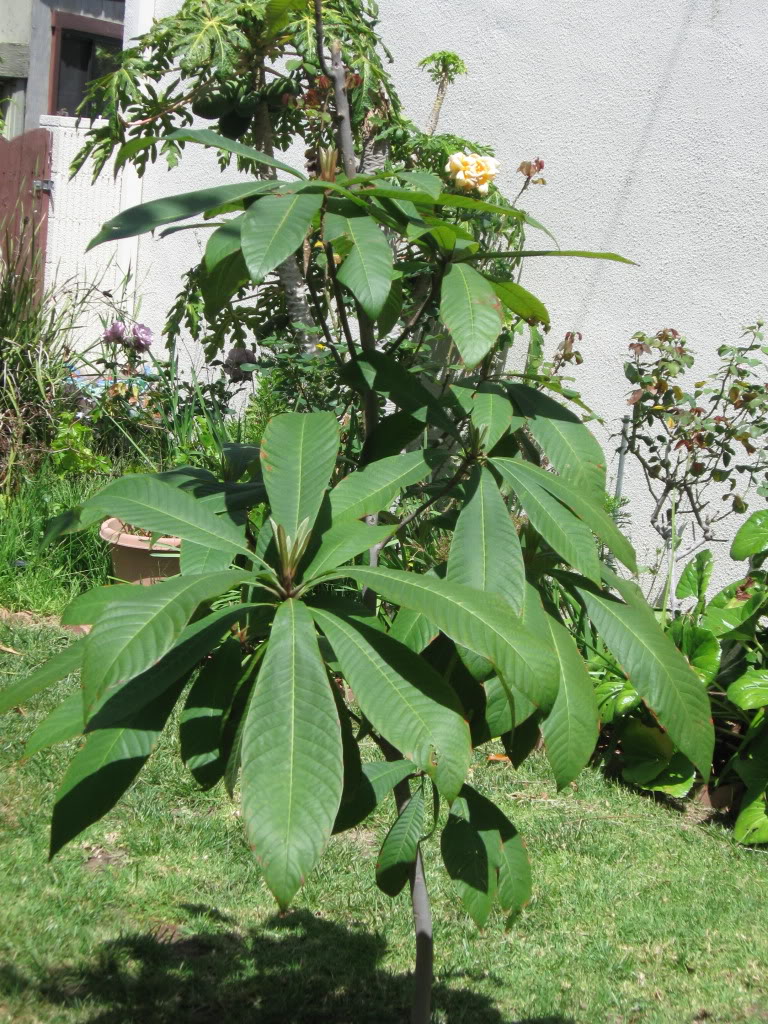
{"x": 398, "y": 569}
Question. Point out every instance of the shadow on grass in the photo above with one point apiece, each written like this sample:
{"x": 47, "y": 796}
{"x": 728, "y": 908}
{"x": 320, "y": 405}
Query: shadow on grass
{"x": 311, "y": 972}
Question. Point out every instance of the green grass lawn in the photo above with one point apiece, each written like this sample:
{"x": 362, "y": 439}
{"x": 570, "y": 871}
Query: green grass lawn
{"x": 641, "y": 914}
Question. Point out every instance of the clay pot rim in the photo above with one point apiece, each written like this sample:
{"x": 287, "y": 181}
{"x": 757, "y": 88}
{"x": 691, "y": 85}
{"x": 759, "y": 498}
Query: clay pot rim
{"x": 113, "y": 532}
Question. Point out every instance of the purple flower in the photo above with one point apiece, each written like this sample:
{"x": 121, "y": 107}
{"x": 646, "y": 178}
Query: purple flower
{"x": 142, "y": 337}
{"x": 115, "y": 333}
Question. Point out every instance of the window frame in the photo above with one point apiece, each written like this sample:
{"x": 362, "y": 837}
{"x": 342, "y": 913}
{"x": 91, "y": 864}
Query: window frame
{"x": 63, "y": 20}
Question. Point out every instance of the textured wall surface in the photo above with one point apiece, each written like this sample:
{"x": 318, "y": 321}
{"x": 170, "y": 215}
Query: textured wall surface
{"x": 651, "y": 120}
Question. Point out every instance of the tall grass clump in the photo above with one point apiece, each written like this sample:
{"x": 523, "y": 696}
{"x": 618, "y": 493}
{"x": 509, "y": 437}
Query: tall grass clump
{"x": 47, "y": 579}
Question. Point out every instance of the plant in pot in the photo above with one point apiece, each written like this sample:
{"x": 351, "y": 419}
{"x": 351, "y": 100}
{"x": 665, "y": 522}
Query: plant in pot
{"x": 396, "y": 572}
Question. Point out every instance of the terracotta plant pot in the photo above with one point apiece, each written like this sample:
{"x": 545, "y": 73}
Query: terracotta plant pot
{"x": 134, "y": 560}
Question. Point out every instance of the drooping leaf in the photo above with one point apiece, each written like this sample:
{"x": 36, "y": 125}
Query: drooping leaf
{"x": 144, "y": 501}
{"x": 751, "y": 826}
{"x": 484, "y": 623}
{"x": 565, "y": 533}
{"x": 406, "y": 701}
{"x": 521, "y": 302}
{"x": 62, "y": 664}
{"x": 105, "y": 768}
{"x": 571, "y": 728}
{"x": 483, "y": 853}
{"x": 274, "y": 228}
{"x": 392, "y": 309}
{"x": 565, "y": 440}
{"x": 368, "y": 268}
{"x": 751, "y": 537}
{"x": 298, "y": 454}
{"x": 584, "y": 505}
{"x": 138, "y": 219}
{"x": 292, "y": 761}
{"x": 376, "y": 486}
{"x": 203, "y": 715}
{"x": 192, "y": 645}
{"x": 493, "y": 413}
{"x": 676, "y": 779}
{"x": 655, "y": 667}
{"x": 223, "y": 242}
{"x": 208, "y": 137}
{"x": 279, "y": 13}
{"x": 131, "y": 636}
{"x": 401, "y": 846}
{"x": 378, "y": 778}
{"x": 471, "y": 311}
{"x": 485, "y": 551}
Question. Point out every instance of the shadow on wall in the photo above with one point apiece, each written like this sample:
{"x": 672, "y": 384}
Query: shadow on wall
{"x": 609, "y": 242}
{"x": 312, "y": 972}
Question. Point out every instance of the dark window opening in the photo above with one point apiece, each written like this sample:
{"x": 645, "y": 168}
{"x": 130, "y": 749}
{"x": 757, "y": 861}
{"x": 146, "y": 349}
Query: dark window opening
{"x": 82, "y": 58}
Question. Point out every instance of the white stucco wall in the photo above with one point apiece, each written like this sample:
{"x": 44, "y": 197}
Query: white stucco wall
{"x": 651, "y": 120}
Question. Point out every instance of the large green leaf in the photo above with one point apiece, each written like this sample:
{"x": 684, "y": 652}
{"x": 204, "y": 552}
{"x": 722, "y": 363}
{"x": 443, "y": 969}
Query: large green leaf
{"x": 367, "y": 270}
{"x": 298, "y": 455}
{"x": 471, "y": 310}
{"x": 561, "y": 529}
{"x": 413, "y": 629}
{"x": 208, "y": 137}
{"x": 223, "y": 242}
{"x": 278, "y": 14}
{"x": 376, "y": 371}
{"x": 583, "y": 503}
{"x": 485, "y": 551}
{"x": 203, "y": 715}
{"x": 106, "y": 766}
{"x": 751, "y": 537}
{"x": 521, "y": 302}
{"x": 695, "y": 577}
{"x": 564, "y": 439}
{"x": 405, "y": 700}
{"x": 571, "y": 728}
{"x": 700, "y": 647}
{"x": 61, "y": 665}
{"x": 483, "y": 853}
{"x": 401, "y": 846}
{"x": 655, "y": 667}
{"x": 750, "y": 691}
{"x": 484, "y": 623}
{"x": 138, "y": 219}
{"x": 292, "y": 772}
{"x": 131, "y": 636}
{"x": 192, "y": 645}
{"x": 149, "y": 503}
{"x": 375, "y": 487}
{"x": 274, "y": 228}
{"x": 376, "y": 780}
{"x": 342, "y": 542}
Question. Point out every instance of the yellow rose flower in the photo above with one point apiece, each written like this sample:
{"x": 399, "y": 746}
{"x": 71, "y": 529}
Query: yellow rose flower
{"x": 472, "y": 171}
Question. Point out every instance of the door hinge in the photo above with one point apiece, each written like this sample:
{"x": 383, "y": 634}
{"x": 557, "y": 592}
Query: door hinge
{"x": 43, "y": 185}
